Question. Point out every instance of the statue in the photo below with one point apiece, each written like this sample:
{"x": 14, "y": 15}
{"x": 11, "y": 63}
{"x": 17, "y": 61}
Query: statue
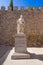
{"x": 20, "y": 25}
{"x": 20, "y": 41}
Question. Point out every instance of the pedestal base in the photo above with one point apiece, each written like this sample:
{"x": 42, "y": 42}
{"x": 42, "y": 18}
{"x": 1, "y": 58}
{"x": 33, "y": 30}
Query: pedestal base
{"x": 20, "y": 56}
{"x": 20, "y": 47}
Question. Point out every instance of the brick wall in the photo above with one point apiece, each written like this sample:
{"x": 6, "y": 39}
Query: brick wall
{"x": 8, "y": 20}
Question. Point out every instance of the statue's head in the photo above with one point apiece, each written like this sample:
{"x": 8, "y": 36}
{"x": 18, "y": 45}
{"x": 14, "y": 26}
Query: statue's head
{"x": 21, "y": 16}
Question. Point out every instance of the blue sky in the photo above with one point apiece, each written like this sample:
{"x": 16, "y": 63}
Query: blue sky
{"x": 24, "y": 3}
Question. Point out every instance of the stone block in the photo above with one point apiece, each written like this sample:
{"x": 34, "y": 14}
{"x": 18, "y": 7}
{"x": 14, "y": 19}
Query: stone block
{"x": 9, "y": 8}
{"x": 16, "y": 8}
{"x": 22, "y": 8}
{"x": 3, "y": 8}
{"x": 20, "y": 56}
{"x": 20, "y": 47}
{"x": 41, "y": 8}
{"x": 20, "y": 43}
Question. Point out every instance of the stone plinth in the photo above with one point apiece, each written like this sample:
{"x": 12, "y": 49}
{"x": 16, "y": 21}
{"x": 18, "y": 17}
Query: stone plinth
{"x": 20, "y": 43}
{"x": 20, "y": 47}
{"x": 20, "y": 56}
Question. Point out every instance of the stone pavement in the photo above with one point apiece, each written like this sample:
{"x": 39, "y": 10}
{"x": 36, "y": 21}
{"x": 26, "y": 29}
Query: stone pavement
{"x": 36, "y": 57}
{"x": 4, "y": 49}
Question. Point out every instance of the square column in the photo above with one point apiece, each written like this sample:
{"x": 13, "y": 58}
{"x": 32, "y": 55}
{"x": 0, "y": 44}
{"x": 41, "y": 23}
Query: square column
{"x": 20, "y": 43}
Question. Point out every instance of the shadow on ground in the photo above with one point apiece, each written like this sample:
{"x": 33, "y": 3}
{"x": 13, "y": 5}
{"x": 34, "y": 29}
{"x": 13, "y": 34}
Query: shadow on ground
{"x": 3, "y": 50}
{"x": 35, "y": 56}
{"x": 8, "y": 49}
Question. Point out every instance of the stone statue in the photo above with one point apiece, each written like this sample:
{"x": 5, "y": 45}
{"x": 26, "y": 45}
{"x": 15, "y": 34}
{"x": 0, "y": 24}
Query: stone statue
{"x": 20, "y": 25}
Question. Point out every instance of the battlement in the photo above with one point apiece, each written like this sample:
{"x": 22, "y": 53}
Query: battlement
{"x": 2, "y": 8}
{"x": 33, "y": 17}
{"x": 22, "y": 8}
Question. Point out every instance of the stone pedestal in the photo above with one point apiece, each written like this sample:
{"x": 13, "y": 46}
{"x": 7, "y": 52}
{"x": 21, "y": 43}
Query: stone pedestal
{"x": 20, "y": 47}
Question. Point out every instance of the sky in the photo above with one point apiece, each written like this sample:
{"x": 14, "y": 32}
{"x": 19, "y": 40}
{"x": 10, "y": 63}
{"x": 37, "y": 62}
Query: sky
{"x": 24, "y": 3}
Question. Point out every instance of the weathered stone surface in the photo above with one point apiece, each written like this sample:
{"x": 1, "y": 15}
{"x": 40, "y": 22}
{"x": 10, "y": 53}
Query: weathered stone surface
{"x": 20, "y": 43}
{"x": 8, "y": 24}
{"x": 20, "y": 56}
{"x": 20, "y": 47}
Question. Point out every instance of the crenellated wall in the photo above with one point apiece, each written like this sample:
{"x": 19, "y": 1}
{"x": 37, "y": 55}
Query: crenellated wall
{"x": 33, "y": 24}
{"x": 22, "y": 8}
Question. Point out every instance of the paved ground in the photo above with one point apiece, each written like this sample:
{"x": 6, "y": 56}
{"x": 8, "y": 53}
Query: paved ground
{"x": 36, "y": 57}
{"x": 4, "y": 49}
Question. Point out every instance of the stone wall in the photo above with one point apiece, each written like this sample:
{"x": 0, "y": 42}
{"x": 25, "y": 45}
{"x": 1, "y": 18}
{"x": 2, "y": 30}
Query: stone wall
{"x": 33, "y": 28}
